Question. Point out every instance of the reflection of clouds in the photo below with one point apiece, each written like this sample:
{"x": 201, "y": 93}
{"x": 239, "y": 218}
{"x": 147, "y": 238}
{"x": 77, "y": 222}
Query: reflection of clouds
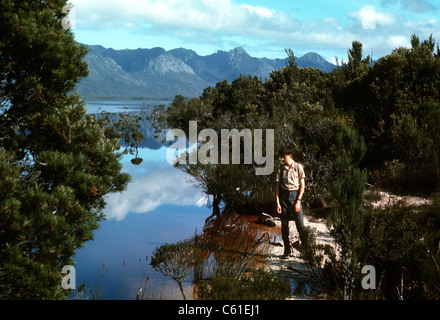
{"x": 154, "y": 183}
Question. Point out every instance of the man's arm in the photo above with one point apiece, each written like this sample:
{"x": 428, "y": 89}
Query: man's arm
{"x": 302, "y": 185}
{"x": 277, "y": 195}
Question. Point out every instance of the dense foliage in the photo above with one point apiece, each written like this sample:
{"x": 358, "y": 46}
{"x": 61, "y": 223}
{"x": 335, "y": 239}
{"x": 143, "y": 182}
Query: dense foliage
{"x": 395, "y": 104}
{"x": 56, "y": 163}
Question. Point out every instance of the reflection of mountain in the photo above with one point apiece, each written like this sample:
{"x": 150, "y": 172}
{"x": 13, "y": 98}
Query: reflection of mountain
{"x": 156, "y": 73}
{"x": 151, "y": 139}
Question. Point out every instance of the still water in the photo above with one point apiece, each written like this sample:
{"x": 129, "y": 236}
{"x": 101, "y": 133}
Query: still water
{"x": 159, "y": 206}
{"x": 95, "y": 106}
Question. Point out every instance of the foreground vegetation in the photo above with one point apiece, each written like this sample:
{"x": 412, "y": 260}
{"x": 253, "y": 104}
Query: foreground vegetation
{"x": 56, "y": 163}
{"x": 226, "y": 261}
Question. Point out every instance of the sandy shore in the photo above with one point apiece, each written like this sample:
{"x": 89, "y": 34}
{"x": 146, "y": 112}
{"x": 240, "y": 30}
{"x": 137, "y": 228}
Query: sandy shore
{"x": 304, "y": 280}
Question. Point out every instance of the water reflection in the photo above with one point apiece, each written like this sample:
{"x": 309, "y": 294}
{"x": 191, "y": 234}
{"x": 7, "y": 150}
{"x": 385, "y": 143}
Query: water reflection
{"x": 109, "y": 105}
{"x": 154, "y": 183}
{"x": 159, "y": 206}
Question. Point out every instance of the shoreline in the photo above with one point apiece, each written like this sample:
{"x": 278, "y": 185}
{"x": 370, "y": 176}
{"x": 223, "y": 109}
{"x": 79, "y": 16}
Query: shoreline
{"x": 294, "y": 267}
{"x": 303, "y": 281}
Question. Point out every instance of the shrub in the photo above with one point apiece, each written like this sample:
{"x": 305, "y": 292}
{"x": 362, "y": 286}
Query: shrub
{"x": 393, "y": 243}
{"x": 175, "y": 261}
{"x": 257, "y": 285}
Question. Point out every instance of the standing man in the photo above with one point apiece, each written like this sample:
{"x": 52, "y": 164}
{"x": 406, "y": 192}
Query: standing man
{"x": 290, "y": 185}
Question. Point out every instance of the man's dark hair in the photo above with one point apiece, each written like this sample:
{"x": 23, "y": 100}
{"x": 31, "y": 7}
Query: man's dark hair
{"x": 285, "y": 150}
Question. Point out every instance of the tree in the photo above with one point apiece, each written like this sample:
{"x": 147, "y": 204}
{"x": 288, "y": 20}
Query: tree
{"x": 57, "y": 163}
{"x": 357, "y": 65}
{"x": 303, "y": 115}
{"x": 174, "y": 260}
{"x": 395, "y": 104}
{"x": 393, "y": 242}
{"x": 239, "y": 106}
{"x": 126, "y": 127}
{"x": 347, "y": 188}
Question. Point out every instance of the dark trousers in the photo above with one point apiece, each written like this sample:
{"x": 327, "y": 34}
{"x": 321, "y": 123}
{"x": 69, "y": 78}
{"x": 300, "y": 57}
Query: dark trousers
{"x": 287, "y": 202}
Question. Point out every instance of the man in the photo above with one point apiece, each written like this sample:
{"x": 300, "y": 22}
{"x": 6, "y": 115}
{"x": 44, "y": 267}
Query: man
{"x": 290, "y": 186}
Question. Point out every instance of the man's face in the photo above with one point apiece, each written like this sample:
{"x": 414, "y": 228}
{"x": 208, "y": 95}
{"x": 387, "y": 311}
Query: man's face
{"x": 287, "y": 159}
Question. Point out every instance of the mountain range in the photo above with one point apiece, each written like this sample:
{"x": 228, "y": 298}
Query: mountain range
{"x": 157, "y": 73}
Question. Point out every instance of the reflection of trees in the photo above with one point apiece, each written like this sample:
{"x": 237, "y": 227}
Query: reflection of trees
{"x": 137, "y": 136}
{"x": 132, "y": 128}
{"x": 229, "y": 262}
{"x": 226, "y": 260}
{"x": 227, "y": 247}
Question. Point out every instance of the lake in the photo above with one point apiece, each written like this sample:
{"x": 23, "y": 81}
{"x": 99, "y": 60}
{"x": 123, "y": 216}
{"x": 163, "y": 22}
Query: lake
{"x": 159, "y": 206}
{"x": 96, "y": 106}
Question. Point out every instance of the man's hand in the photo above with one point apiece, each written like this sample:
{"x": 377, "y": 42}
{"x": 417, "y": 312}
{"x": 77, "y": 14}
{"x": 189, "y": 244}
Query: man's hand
{"x": 279, "y": 208}
{"x": 297, "y": 206}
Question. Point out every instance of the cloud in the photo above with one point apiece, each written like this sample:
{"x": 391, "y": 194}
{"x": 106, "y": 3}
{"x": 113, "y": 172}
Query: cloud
{"x": 418, "y": 5}
{"x": 399, "y": 41}
{"x": 261, "y": 11}
{"x": 153, "y": 185}
{"x": 381, "y": 32}
{"x": 223, "y": 24}
{"x": 369, "y": 18}
{"x": 204, "y": 15}
{"x": 412, "y": 5}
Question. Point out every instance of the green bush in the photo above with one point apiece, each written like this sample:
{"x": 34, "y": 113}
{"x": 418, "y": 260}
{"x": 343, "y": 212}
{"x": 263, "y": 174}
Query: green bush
{"x": 257, "y": 285}
{"x": 401, "y": 242}
{"x": 174, "y": 260}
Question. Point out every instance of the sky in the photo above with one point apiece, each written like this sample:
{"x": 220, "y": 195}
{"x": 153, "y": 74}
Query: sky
{"x": 263, "y": 28}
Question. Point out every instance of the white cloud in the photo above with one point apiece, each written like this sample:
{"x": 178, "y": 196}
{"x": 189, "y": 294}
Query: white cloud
{"x": 368, "y": 17}
{"x": 424, "y": 28}
{"x": 399, "y": 41}
{"x": 261, "y": 11}
{"x": 161, "y": 185}
{"x": 203, "y": 15}
{"x": 418, "y": 5}
{"x": 222, "y": 24}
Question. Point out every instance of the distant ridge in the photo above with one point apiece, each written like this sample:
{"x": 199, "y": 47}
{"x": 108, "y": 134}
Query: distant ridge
{"x": 157, "y": 73}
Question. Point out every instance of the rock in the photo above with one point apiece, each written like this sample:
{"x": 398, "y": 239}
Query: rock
{"x": 267, "y": 220}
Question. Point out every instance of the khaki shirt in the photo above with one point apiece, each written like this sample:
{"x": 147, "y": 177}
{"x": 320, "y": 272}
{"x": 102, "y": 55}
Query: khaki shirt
{"x": 290, "y": 177}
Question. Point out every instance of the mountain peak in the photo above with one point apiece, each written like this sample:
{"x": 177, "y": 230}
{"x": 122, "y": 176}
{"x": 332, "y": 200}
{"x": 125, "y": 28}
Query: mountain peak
{"x": 159, "y": 73}
{"x": 167, "y": 63}
{"x": 239, "y": 50}
{"x": 313, "y": 56}
{"x": 183, "y": 52}
{"x": 313, "y": 59}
